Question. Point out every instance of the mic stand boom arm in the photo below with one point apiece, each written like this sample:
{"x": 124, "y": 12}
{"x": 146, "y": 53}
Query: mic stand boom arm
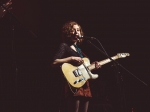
{"x": 116, "y": 63}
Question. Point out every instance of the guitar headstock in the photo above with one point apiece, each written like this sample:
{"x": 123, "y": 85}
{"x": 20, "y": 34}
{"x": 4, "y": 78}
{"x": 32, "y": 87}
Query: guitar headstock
{"x": 122, "y": 55}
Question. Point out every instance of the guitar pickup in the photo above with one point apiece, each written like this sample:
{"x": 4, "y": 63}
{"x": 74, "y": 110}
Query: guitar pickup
{"x": 77, "y": 73}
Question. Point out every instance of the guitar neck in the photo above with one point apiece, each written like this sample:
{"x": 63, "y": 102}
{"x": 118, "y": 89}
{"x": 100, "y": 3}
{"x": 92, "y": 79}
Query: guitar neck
{"x": 92, "y": 66}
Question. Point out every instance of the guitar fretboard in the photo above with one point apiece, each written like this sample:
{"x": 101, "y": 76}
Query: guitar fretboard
{"x": 92, "y": 66}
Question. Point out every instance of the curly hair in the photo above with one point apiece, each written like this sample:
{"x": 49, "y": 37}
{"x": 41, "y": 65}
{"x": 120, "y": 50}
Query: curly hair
{"x": 66, "y": 31}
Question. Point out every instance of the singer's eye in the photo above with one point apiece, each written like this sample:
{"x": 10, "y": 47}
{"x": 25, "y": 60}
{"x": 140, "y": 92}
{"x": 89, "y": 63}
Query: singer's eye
{"x": 75, "y": 30}
{"x": 72, "y": 30}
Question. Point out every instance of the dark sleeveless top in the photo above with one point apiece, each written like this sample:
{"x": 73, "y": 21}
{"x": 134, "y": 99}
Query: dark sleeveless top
{"x": 65, "y": 51}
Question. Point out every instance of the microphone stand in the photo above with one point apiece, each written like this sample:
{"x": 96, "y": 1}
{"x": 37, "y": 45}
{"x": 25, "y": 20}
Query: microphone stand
{"x": 117, "y": 63}
{"x": 117, "y": 72}
{"x": 15, "y": 18}
{"x": 14, "y": 63}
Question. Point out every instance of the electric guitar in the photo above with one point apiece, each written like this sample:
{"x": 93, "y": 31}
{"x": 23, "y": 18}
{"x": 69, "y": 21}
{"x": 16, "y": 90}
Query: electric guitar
{"x": 78, "y": 75}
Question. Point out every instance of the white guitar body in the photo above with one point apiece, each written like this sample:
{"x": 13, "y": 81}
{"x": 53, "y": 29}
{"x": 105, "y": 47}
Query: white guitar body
{"x": 78, "y": 75}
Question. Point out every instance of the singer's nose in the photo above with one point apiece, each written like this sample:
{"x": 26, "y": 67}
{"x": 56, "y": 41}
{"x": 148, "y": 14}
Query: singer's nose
{"x": 75, "y": 32}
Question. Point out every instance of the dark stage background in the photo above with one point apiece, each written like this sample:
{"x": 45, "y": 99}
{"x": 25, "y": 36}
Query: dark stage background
{"x": 35, "y": 87}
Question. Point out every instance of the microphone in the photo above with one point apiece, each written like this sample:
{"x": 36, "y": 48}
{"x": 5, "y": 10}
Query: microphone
{"x": 86, "y": 37}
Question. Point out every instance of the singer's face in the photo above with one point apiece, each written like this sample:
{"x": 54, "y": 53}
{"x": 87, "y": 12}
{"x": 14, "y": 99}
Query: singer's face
{"x": 75, "y": 33}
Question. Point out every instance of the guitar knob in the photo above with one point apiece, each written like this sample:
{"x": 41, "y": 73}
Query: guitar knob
{"x": 75, "y": 82}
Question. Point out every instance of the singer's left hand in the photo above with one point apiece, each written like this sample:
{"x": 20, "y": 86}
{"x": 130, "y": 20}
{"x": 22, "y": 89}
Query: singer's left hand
{"x": 97, "y": 65}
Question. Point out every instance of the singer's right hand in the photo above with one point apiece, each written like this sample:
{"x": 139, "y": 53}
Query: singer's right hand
{"x": 77, "y": 60}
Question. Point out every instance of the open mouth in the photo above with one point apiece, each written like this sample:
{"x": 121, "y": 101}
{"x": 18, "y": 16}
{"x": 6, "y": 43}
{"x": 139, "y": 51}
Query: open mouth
{"x": 76, "y": 37}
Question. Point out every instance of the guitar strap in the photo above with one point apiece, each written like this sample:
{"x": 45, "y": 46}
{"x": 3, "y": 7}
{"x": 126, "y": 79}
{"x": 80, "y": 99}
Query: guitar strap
{"x": 81, "y": 55}
{"x": 79, "y": 51}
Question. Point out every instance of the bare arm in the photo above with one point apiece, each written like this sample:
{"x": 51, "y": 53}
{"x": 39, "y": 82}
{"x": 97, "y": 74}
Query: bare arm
{"x": 77, "y": 60}
{"x": 63, "y": 60}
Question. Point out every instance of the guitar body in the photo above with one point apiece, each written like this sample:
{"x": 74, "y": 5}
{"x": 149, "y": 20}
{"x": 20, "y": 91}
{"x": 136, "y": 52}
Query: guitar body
{"x": 78, "y": 75}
